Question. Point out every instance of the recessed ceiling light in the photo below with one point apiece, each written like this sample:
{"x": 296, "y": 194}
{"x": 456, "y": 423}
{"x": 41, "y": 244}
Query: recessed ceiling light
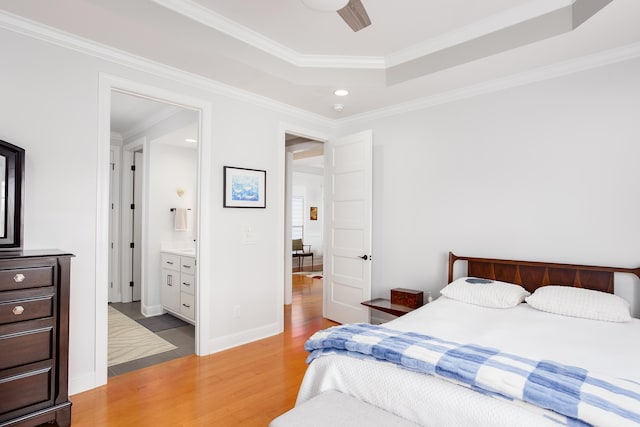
{"x": 338, "y": 107}
{"x": 191, "y": 140}
{"x": 341, "y": 92}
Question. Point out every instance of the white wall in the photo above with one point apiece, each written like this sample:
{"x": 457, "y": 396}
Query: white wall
{"x": 310, "y": 187}
{"x": 49, "y": 106}
{"x": 547, "y": 171}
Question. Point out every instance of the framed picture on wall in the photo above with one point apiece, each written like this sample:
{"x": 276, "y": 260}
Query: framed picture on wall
{"x": 313, "y": 213}
{"x": 244, "y": 188}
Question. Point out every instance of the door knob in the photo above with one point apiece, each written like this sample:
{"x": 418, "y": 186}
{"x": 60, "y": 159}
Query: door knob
{"x": 364, "y": 257}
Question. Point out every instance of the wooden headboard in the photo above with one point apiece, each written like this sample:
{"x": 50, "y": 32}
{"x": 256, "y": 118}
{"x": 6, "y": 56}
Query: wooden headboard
{"x": 532, "y": 275}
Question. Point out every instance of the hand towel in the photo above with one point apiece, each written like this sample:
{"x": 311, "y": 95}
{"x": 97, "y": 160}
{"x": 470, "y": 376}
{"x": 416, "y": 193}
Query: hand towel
{"x": 180, "y": 219}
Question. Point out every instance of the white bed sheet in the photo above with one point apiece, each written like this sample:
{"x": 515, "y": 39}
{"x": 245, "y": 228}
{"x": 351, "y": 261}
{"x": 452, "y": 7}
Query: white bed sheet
{"x": 608, "y": 348}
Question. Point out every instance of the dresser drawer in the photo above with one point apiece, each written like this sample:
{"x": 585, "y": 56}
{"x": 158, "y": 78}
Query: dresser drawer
{"x": 26, "y": 309}
{"x": 24, "y": 389}
{"x": 26, "y": 342}
{"x": 23, "y": 278}
{"x": 170, "y": 261}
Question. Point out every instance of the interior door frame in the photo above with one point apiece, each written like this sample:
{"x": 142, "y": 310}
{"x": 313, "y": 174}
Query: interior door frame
{"x": 284, "y": 129}
{"x": 107, "y": 84}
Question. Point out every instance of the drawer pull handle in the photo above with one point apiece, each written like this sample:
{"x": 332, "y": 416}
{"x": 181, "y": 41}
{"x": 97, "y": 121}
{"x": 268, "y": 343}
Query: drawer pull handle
{"x": 18, "y": 310}
{"x": 186, "y": 305}
{"x": 186, "y": 266}
{"x": 186, "y": 284}
{"x": 18, "y": 278}
{"x": 170, "y": 262}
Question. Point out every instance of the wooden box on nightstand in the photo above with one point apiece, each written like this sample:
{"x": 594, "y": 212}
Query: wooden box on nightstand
{"x": 407, "y": 297}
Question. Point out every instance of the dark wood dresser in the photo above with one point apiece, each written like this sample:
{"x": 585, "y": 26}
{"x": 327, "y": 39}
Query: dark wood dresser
{"x": 34, "y": 338}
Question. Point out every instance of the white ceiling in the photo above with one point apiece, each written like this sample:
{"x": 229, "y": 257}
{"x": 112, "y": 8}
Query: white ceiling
{"x": 308, "y": 155}
{"x": 309, "y": 32}
{"x": 414, "y": 49}
{"x": 132, "y": 114}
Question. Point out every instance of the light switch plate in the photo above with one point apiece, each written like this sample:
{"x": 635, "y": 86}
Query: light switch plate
{"x": 249, "y": 236}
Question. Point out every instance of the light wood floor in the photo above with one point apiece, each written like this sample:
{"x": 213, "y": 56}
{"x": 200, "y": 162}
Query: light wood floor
{"x": 246, "y": 386}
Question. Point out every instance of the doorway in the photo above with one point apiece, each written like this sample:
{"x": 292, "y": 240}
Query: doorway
{"x": 150, "y": 301}
{"x": 347, "y": 202}
{"x": 305, "y": 212}
{"x": 158, "y": 142}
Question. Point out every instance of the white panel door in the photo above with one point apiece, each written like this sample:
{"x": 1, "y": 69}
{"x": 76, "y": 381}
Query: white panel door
{"x": 347, "y": 259}
{"x": 136, "y": 265}
{"x": 114, "y": 214}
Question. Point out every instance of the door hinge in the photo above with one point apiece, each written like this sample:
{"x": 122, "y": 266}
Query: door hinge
{"x": 131, "y": 245}
{"x": 113, "y": 166}
{"x": 131, "y": 284}
{"x": 133, "y": 206}
{"x": 133, "y": 167}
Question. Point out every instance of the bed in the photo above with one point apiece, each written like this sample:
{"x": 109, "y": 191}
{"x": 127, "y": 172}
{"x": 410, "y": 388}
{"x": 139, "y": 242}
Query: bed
{"x": 606, "y": 350}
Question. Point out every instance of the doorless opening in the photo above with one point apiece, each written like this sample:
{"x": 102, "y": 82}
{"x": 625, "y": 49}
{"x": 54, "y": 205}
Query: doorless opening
{"x": 203, "y": 110}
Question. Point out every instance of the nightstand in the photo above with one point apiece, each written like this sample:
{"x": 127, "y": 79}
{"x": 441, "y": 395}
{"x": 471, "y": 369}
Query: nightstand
{"x": 384, "y": 304}
{"x": 402, "y": 302}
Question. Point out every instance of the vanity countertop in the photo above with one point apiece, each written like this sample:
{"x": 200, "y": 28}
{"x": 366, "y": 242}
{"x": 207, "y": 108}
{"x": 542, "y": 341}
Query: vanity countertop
{"x": 182, "y": 252}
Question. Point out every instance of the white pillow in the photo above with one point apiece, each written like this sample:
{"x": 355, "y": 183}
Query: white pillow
{"x": 578, "y": 302}
{"x": 485, "y": 292}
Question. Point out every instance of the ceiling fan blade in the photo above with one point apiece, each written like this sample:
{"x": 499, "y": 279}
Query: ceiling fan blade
{"x": 355, "y": 15}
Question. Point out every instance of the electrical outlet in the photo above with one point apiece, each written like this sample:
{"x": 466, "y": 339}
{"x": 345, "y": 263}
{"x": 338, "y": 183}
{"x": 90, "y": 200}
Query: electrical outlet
{"x": 236, "y": 311}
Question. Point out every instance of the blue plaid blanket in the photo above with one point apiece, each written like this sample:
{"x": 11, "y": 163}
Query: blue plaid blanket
{"x": 583, "y": 397}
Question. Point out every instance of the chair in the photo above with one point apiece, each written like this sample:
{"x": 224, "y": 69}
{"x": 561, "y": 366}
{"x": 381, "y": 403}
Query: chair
{"x": 298, "y": 251}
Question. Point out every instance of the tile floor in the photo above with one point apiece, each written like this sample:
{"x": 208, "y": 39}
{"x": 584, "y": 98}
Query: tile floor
{"x": 182, "y": 337}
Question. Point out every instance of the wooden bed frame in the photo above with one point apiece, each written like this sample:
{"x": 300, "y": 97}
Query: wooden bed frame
{"x": 532, "y": 275}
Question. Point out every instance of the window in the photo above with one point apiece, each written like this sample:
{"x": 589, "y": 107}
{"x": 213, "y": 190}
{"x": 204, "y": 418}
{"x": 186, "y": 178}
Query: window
{"x": 297, "y": 217}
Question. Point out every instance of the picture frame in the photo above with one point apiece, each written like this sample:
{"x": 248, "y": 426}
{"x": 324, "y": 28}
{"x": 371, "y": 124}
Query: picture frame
{"x": 244, "y": 188}
{"x": 313, "y": 213}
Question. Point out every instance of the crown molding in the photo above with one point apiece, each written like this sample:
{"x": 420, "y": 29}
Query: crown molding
{"x": 491, "y": 24}
{"x": 564, "y": 68}
{"x": 205, "y": 16}
{"x": 66, "y": 40}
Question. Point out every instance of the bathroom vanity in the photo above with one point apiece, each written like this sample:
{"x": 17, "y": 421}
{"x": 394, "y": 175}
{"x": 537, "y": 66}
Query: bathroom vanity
{"x": 179, "y": 283}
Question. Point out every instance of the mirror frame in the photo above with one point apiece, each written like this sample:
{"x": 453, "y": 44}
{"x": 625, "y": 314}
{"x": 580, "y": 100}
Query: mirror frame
{"x": 11, "y": 239}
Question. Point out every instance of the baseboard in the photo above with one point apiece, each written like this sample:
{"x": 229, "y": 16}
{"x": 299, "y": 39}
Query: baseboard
{"x": 152, "y": 310}
{"x": 229, "y": 341}
{"x": 317, "y": 263}
{"x": 82, "y": 383}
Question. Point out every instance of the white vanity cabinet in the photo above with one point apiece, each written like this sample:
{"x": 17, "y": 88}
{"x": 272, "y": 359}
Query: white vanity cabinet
{"x": 178, "y": 284}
